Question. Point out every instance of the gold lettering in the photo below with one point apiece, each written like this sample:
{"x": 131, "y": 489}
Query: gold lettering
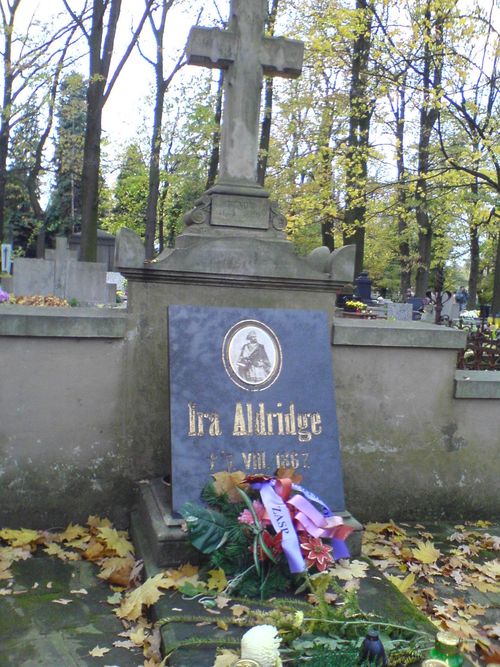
{"x": 254, "y": 460}
{"x": 239, "y": 427}
{"x": 250, "y": 418}
{"x": 270, "y": 430}
{"x": 292, "y": 460}
{"x": 290, "y": 427}
{"x": 260, "y": 421}
{"x": 316, "y": 428}
{"x": 303, "y": 427}
{"x": 282, "y": 460}
{"x": 214, "y": 428}
{"x": 192, "y": 419}
{"x": 197, "y": 419}
{"x": 247, "y": 460}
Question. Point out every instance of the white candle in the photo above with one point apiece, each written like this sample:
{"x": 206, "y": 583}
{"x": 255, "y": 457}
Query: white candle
{"x": 261, "y": 644}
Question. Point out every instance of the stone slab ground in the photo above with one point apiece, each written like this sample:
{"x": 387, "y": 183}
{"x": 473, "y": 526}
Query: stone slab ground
{"x": 36, "y": 631}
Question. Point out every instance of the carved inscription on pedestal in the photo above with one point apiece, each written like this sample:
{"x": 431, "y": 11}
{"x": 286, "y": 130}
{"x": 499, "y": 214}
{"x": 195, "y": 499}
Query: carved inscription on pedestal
{"x": 235, "y": 211}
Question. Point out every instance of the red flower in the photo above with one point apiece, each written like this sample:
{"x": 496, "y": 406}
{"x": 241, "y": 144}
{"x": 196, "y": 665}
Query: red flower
{"x": 316, "y": 553}
{"x": 272, "y": 543}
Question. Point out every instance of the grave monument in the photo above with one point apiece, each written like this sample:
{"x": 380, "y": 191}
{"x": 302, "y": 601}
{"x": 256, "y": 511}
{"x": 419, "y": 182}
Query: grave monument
{"x": 232, "y": 276}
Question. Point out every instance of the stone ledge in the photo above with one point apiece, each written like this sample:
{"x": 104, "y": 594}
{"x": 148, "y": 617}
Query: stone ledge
{"x": 385, "y": 333}
{"x": 477, "y": 384}
{"x": 33, "y": 321}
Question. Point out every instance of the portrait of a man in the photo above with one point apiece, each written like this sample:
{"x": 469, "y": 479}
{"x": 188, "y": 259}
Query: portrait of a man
{"x": 253, "y": 362}
{"x": 252, "y": 355}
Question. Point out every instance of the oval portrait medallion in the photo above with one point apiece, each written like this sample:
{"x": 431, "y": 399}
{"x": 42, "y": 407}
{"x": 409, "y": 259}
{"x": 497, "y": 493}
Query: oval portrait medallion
{"x": 251, "y": 353}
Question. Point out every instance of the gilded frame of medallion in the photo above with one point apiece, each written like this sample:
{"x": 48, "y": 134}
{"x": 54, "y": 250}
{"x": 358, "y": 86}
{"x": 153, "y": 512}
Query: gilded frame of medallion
{"x": 259, "y": 369}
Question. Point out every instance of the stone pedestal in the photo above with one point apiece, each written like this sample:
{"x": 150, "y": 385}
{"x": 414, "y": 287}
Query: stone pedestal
{"x": 214, "y": 263}
{"x": 155, "y": 531}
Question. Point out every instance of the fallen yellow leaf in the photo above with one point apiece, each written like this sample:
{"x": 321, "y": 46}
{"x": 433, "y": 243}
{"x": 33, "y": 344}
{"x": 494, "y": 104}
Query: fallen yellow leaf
{"x": 19, "y": 538}
{"x": 98, "y": 652}
{"x": 97, "y": 522}
{"x": 187, "y": 573}
{"x": 426, "y": 552}
{"x": 117, "y": 570}
{"x": 239, "y": 610}
{"x": 115, "y": 541}
{"x": 147, "y": 594}
{"x": 55, "y": 550}
{"x": 226, "y": 659}
{"x": 72, "y": 532}
{"x": 221, "y": 601}
{"x": 217, "y": 580}
{"x": 228, "y": 482}
{"x": 94, "y": 551}
{"x": 402, "y": 585}
{"x": 347, "y": 570}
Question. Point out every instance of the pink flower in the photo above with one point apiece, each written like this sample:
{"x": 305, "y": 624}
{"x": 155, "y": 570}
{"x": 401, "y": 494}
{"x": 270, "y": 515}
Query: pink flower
{"x": 260, "y": 511}
{"x": 316, "y": 553}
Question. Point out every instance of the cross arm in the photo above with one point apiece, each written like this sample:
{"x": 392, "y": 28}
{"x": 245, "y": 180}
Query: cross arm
{"x": 210, "y": 47}
{"x": 282, "y": 57}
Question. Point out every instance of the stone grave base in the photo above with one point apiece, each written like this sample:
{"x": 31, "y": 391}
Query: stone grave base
{"x": 158, "y": 536}
{"x": 190, "y": 634}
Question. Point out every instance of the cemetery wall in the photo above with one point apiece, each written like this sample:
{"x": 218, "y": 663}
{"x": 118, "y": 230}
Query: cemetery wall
{"x": 84, "y": 412}
{"x": 411, "y": 448}
{"x": 62, "y": 450}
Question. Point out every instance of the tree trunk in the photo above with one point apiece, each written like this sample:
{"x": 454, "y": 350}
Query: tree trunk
{"x": 90, "y": 172}
{"x": 4, "y": 144}
{"x": 154, "y": 160}
{"x": 101, "y": 39}
{"x": 359, "y": 128}
{"x": 474, "y": 267}
{"x": 213, "y": 164}
{"x": 431, "y": 80}
{"x": 402, "y": 206}
{"x": 474, "y": 250}
{"x": 325, "y": 174}
{"x": 265, "y": 130}
{"x": 6, "y": 111}
{"x": 495, "y": 302}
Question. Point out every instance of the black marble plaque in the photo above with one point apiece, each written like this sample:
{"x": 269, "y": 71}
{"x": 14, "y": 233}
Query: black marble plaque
{"x": 252, "y": 390}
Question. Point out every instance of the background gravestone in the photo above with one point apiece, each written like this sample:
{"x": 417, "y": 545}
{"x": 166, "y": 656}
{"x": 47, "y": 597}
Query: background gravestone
{"x": 400, "y": 311}
{"x": 62, "y": 275}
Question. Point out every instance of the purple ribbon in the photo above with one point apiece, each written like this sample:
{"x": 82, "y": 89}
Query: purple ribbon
{"x": 340, "y": 549}
{"x": 282, "y": 522}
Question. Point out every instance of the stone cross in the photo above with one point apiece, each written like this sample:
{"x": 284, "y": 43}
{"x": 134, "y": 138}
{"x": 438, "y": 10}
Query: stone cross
{"x": 245, "y": 55}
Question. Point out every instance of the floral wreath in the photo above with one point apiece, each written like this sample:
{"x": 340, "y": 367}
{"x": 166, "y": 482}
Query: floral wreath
{"x": 263, "y": 531}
